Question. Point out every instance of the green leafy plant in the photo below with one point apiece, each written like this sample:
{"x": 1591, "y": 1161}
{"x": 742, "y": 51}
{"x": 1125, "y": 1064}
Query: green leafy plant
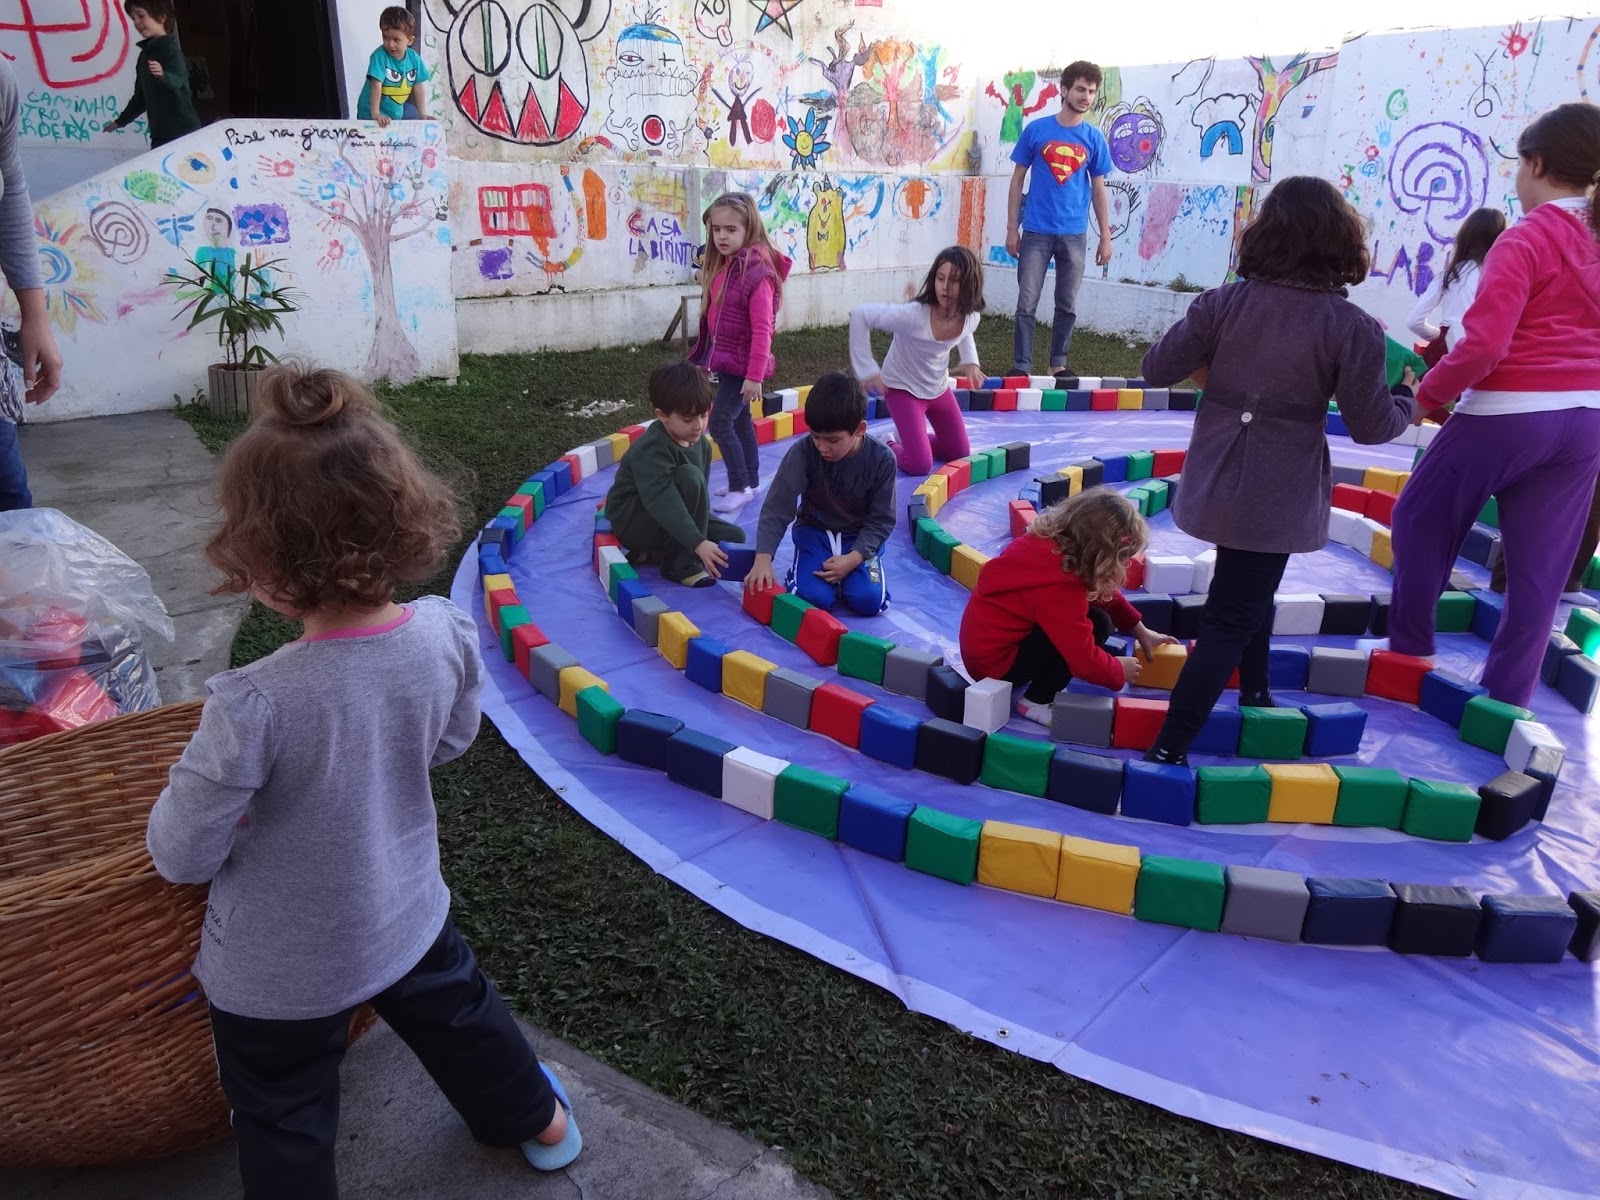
{"x": 243, "y": 300}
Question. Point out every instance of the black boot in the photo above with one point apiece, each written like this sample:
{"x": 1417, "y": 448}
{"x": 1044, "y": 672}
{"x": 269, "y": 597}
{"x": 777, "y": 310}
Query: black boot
{"x": 1165, "y": 758}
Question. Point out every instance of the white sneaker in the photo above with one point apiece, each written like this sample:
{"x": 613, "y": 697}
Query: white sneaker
{"x": 734, "y": 501}
{"x": 1039, "y": 714}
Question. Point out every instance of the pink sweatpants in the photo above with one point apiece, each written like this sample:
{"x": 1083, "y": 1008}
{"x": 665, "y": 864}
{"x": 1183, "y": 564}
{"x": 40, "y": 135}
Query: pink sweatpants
{"x": 912, "y": 416}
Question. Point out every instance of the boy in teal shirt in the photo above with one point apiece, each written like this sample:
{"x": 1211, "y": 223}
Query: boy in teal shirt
{"x": 161, "y": 92}
{"x": 392, "y": 89}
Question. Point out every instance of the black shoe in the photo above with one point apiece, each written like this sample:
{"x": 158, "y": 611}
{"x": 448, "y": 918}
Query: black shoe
{"x": 1165, "y": 758}
{"x": 1259, "y": 700}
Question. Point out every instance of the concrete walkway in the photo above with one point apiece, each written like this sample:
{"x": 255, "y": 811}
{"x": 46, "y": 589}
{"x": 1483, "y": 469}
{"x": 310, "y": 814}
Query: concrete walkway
{"x": 146, "y": 483}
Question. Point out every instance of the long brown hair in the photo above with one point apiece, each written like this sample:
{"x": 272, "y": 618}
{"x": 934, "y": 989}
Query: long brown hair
{"x": 324, "y": 504}
{"x": 1305, "y": 234}
{"x": 1566, "y": 141}
{"x": 968, "y": 270}
{"x": 1473, "y": 239}
{"x": 755, "y": 234}
{"x": 1097, "y": 531}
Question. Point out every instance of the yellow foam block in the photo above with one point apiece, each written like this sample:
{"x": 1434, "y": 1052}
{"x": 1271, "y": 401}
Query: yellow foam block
{"x": 940, "y": 485}
{"x": 965, "y": 563}
{"x": 716, "y": 450}
{"x": 1130, "y": 397}
{"x": 1382, "y": 551}
{"x": 1303, "y": 792}
{"x": 619, "y": 445}
{"x": 673, "y": 632}
{"x": 494, "y": 583}
{"x": 782, "y": 426}
{"x": 744, "y": 678}
{"x": 1097, "y": 874}
{"x": 1019, "y": 858}
{"x": 1162, "y": 670}
{"x": 1381, "y": 479}
{"x": 1400, "y": 484}
{"x": 1074, "y": 478}
{"x": 573, "y": 681}
{"x": 803, "y": 392}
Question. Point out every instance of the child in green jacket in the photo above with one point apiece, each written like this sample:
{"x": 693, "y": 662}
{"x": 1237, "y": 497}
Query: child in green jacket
{"x": 161, "y": 93}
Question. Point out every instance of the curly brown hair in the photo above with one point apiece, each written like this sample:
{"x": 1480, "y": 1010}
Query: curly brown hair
{"x": 324, "y": 505}
{"x": 1097, "y": 531}
{"x": 1305, "y": 234}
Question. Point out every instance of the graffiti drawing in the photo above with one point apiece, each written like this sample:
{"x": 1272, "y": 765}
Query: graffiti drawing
{"x": 742, "y": 105}
{"x": 1221, "y": 118}
{"x": 775, "y": 13}
{"x": 918, "y": 197}
{"x": 1514, "y": 41}
{"x": 262, "y": 224}
{"x": 969, "y": 218}
{"x": 69, "y": 49}
{"x": 1440, "y": 170}
{"x": 118, "y": 232}
{"x": 1276, "y": 84}
{"x": 1122, "y": 200}
{"x": 1416, "y": 270}
{"x": 1134, "y": 133}
{"x": 1017, "y": 85}
{"x": 1583, "y": 62}
{"x": 895, "y": 115}
{"x": 175, "y": 226}
{"x": 839, "y": 70}
{"x": 495, "y": 262}
{"x": 217, "y": 257}
{"x": 825, "y": 236}
{"x": 714, "y": 20}
{"x": 807, "y": 139}
{"x": 652, "y": 89}
{"x": 152, "y": 188}
{"x": 1485, "y": 97}
{"x": 69, "y": 285}
{"x": 518, "y": 68}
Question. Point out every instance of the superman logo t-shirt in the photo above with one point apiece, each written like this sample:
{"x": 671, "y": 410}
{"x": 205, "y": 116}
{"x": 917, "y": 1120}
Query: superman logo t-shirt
{"x": 1061, "y": 160}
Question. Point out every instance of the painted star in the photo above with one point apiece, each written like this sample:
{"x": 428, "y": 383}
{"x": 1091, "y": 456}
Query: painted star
{"x": 775, "y": 12}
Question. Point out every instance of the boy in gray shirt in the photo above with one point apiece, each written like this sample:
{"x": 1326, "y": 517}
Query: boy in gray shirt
{"x": 843, "y": 483}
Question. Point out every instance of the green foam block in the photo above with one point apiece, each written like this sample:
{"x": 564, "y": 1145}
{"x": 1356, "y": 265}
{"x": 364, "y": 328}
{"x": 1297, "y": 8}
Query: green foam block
{"x": 1272, "y": 733}
{"x": 1488, "y": 723}
{"x": 535, "y": 489}
{"x": 1370, "y": 796}
{"x": 598, "y": 714}
{"x": 1140, "y": 463}
{"x": 1583, "y": 627}
{"x": 941, "y": 548}
{"x": 1233, "y": 795}
{"x": 1179, "y": 891}
{"x": 808, "y": 800}
{"x": 1017, "y": 764}
{"x": 978, "y": 464}
{"x": 1453, "y": 613}
{"x": 619, "y": 571}
{"x": 511, "y": 616}
{"x": 1053, "y": 400}
{"x": 788, "y": 610}
{"x": 1445, "y": 812}
{"x": 861, "y": 656}
{"x": 942, "y": 844}
{"x": 922, "y": 535}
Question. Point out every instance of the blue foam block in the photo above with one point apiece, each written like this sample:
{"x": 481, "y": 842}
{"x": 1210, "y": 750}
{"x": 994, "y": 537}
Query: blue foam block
{"x": 511, "y": 525}
{"x": 1079, "y": 400}
{"x": 704, "y": 665}
{"x": 1155, "y": 610}
{"x": 1031, "y": 492}
{"x": 1336, "y": 424}
{"x": 874, "y": 821}
{"x": 1157, "y": 792}
{"x": 642, "y": 737}
{"x": 1578, "y": 679}
{"x": 496, "y": 534}
{"x": 740, "y": 560}
{"x": 889, "y": 735}
{"x": 1525, "y": 929}
{"x": 490, "y": 563}
{"x": 1288, "y": 667}
{"x": 1445, "y": 695}
{"x": 1116, "y": 467}
{"x": 963, "y": 399}
{"x": 1220, "y": 733}
{"x": 694, "y": 759}
{"x": 629, "y": 590}
{"x": 1333, "y": 729}
{"x": 554, "y": 480}
{"x": 1486, "y": 615}
{"x": 601, "y": 525}
{"x": 994, "y": 383}
{"x": 1478, "y": 545}
{"x": 1091, "y": 782}
{"x": 1349, "y": 912}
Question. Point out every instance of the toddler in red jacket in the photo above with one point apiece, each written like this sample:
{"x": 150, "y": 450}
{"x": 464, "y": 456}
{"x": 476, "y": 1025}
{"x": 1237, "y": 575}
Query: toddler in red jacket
{"x": 1043, "y": 608}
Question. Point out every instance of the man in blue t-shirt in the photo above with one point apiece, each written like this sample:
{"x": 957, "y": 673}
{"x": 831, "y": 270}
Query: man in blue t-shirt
{"x": 1069, "y": 160}
{"x": 392, "y": 89}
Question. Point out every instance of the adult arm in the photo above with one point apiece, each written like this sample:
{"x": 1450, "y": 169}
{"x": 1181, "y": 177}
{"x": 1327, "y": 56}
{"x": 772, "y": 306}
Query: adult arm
{"x": 1019, "y": 175}
{"x": 1371, "y": 412}
{"x": 1098, "y": 194}
{"x": 467, "y": 713}
{"x": 19, "y": 257}
{"x": 784, "y": 493}
{"x": 1185, "y": 348}
{"x": 195, "y": 819}
{"x": 763, "y": 320}
{"x": 1418, "y": 322}
{"x": 1503, "y": 291}
{"x": 879, "y": 523}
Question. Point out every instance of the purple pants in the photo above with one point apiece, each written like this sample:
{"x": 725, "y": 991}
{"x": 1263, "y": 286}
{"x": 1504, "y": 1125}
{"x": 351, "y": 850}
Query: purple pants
{"x": 1541, "y": 466}
{"x": 912, "y": 416}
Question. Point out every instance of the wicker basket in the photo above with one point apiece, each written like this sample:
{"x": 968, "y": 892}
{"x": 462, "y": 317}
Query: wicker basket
{"x": 105, "y": 1043}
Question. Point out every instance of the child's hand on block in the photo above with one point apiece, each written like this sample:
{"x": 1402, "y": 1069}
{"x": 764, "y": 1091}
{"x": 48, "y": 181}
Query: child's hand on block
{"x": 711, "y": 557}
{"x": 836, "y": 568}
{"x": 1149, "y": 639}
{"x": 1130, "y": 669}
{"x": 760, "y": 577}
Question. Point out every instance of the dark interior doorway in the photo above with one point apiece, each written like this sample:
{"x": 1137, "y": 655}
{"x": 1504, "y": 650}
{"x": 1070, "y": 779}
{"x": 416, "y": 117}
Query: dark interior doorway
{"x": 262, "y": 58}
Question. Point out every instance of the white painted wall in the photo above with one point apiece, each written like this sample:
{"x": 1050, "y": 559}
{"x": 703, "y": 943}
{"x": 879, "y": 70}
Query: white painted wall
{"x": 357, "y": 24}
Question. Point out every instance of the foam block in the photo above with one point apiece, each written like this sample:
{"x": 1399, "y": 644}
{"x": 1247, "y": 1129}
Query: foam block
{"x": 1017, "y": 764}
{"x": 1396, "y": 676}
{"x": 1297, "y": 613}
{"x": 1444, "y": 695}
{"x": 1532, "y": 743}
{"x": 1370, "y": 796}
{"x": 1303, "y": 793}
{"x": 1333, "y": 729}
{"x": 1186, "y": 616}
{"x": 694, "y": 759}
{"x": 703, "y": 664}
{"x": 788, "y": 610}
{"x": 1488, "y": 609}
{"x": 1136, "y": 723}
{"x": 1265, "y": 904}
{"x": 987, "y": 705}
{"x": 950, "y": 749}
{"x": 1220, "y": 733}
{"x": 1272, "y": 732}
{"x": 1170, "y": 573}
{"x": 946, "y": 694}
{"x": 819, "y": 636}
{"x": 1233, "y": 796}
{"x": 1162, "y": 670}
{"x": 1084, "y": 720}
{"x": 1019, "y": 858}
{"x": 524, "y": 640}
{"x": 1337, "y": 672}
{"x": 1348, "y": 912}
{"x": 1578, "y": 679}
{"x": 1440, "y": 921}
{"x": 1445, "y": 812}
{"x": 1157, "y": 792}
{"x": 788, "y": 697}
{"x": 749, "y": 779}
{"x": 674, "y": 632}
{"x": 1180, "y": 891}
{"x": 861, "y": 656}
{"x": 1525, "y": 929}
{"x": 1345, "y": 614}
{"x": 1101, "y": 875}
{"x": 628, "y": 591}
{"x": 1087, "y": 781}
{"x": 744, "y": 678}
{"x": 942, "y": 844}
{"x": 1559, "y": 647}
{"x": 545, "y": 665}
{"x": 808, "y": 800}
{"x": 1288, "y": 667}
{"x": 889, "y": 735}
{"x": 1156, "y": 611}
{"x": 1585, "y": 944}
{"x": 874, "y": 821}
{"x": 1487, "y": 722}
{"x": 836, "y": 712}
{"x": 642, "y": 737}
{"x": 1505, "y": 804}
{"x": 1583, "y": 627}
{"x": 598, "y": 715}
{"x": 647, "y": 614}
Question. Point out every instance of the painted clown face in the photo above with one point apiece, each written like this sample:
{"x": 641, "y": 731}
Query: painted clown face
{"x": 518, "y": 70}
{"x": 652, "y": 89}
{"x": 1135, "y": 139}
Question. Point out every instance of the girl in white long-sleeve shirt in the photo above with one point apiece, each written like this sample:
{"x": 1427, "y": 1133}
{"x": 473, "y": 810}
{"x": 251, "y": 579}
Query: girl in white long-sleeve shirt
{"x": 915, "y": 376}
{"x": 1452, "y": 293}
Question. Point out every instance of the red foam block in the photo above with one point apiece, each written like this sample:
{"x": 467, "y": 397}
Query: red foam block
{"x": 1103, "y": 400}
{"x": 1350, "y": 497}
{"x": 819, "y": 636}
{"x": 800, "y": 425}
{"x": 634, "y": 432}
{"x": 523, "y": 639}
{"x": 1396, "y": 676}
{"x": 498, "y": 599}
{"x": 1380, "y": 506}
{"x": 1135, "y": 577}
{"x": 758, "y": 603}
{"x": 1005, "y": 400}
{"x": 963, "y": 476}
{"x": 1017, "y": 381}
{"x": 1023, "y": 514}
{"x": 765, "y": 433}
{"x": 1137, "y": 722}
{"x": 601, "y": 541}
{"x": 574, "y": 467}
{"x": 1167, "y": 462}
{"x": 836, "y": 711}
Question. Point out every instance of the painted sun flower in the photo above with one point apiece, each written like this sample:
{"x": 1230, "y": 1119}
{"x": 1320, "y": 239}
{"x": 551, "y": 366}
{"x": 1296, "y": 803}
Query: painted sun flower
{"x": 806, "y": 140}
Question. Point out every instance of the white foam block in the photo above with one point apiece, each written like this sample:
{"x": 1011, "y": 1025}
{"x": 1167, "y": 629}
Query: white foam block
{"x": 1373, "y": 527}
{"x": 1360, "y": 535}
{"x": 1029, "y": 399}
{"x": 790, "y": 398}
{"x": 748, "y": 780}
{"x": 1169, "y": 573}
{"x": 607, "y": 556}
{"x": 588, "y": 460}
{"x": 1205, "y": 569}
{"x": 1088, "y": 383}
{"x": 1043, "y": 382}
{"x": 1426, "y": 432}
{"x": 1298, "y": 613}
{"x": 1406, "y": 437}
{"x": 1530, "y": 737}
{"x": 1342, "y": 528}
{"x": 988, "y": 705}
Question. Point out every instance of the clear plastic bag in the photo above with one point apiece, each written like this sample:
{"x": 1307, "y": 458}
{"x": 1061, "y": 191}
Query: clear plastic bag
{"x": 74, "y": 611}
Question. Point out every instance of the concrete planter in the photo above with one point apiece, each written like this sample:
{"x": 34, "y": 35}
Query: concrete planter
{"x": 231, "y": 391}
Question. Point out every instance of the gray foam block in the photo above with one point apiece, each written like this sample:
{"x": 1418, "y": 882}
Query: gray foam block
{"x": 905, "y": 671}
{"x": 647, "y": 618}
{"x": 1337, "y": 672}
{"x": 1157, "y": 399}
{"x": 789, "y": 697}
{"x": 1351, "y": 475}
{"x": 602, "y": 453}
{"x": 1265, "y": 904}
{"x": 1082, "y": 720}
{"x": 545, "y": 664}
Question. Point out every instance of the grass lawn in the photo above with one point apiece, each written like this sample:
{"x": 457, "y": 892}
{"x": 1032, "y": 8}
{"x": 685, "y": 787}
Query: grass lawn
{"x": 869, "y": 1100}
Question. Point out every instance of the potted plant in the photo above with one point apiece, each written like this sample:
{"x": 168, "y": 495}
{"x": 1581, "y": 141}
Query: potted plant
{"x": 245, "y": 302}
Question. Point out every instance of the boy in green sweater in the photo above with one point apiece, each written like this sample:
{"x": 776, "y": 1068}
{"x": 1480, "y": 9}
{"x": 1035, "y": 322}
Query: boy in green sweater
{"x": 660, "y": 503}
{"x": 161, "y": 93}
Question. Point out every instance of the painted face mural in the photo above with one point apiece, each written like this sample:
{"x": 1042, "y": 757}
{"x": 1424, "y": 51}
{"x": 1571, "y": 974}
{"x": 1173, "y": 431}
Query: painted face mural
{"x": 1134, "y": 135}
{"x": 652, "y": 89}
{"x": 518, "y": 69}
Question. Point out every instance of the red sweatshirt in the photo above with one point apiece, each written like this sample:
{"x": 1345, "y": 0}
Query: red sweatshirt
{"x": 1025, "y": 586}
{"x": 1535, "y": 324}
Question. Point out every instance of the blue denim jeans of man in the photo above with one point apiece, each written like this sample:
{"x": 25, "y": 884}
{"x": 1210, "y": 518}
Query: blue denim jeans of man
{"x": 1038, "y": 250}
{"x": 13, "y": 476}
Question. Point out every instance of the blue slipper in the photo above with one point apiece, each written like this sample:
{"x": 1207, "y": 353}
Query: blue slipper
{"x": 553, "y": 1158}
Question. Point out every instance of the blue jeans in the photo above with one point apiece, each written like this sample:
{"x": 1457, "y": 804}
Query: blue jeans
{"x": 1068, "y": 250}
{"x": 734, "y": 431}
{"x": 13, "y": 476}
{"x": 864, "y": 591}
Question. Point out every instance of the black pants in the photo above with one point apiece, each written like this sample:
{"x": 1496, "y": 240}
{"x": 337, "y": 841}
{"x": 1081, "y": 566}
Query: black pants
{"x": 1235, "y": 631}
{"x": 282, "y": 1077}
{"x": 1040, "y": 665}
